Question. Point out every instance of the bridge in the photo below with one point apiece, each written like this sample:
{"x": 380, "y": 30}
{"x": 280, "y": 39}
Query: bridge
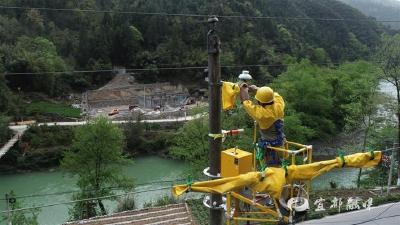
{"x": 19, "y": 130}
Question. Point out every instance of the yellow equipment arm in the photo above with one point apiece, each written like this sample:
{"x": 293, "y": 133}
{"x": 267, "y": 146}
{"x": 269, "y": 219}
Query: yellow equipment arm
{"x": 310, "y": 171}
{"x": 275, "y": 178}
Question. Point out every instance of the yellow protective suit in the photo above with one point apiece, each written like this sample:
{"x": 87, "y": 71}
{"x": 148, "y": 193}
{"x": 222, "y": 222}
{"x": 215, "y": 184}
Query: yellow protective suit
{"x": 275, "y": 178}
{"x": 229, "y": 93}
{"x": 266, "y": 116}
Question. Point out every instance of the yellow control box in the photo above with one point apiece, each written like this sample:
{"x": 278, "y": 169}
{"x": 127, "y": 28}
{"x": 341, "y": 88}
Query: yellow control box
{"x": 235, "y": 162}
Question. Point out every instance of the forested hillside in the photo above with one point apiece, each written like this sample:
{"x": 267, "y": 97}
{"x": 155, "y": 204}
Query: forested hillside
{"x": 39, "y": 40}
{"x": 380, "y": 9}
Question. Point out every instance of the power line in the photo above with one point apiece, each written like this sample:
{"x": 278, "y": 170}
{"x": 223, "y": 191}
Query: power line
{"x": 84, "y": 200}
{"x": 108, "y": 188}
{"x": 99, "y": 71}
{"x": 108, "y": 70}
{"x": 191, "y": 14}
{"x": 104, "y": 11}
{"x": 155, "y": 69}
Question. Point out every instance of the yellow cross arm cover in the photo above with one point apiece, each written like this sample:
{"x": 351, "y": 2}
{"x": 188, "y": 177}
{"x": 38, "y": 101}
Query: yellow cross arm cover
{"x": 275, "y": 178}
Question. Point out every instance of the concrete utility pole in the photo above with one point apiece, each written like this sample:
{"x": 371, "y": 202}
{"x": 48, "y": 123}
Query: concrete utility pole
{"x": 214, "y": 81}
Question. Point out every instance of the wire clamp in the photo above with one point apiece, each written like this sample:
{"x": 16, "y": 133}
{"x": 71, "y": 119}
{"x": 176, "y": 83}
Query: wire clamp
{"x": 216, "y": 136}
{"x": 341, "y": 156}
{"x": 372, "y": 155}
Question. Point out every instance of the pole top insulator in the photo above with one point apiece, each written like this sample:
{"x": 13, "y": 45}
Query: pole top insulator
{"x": 212, "y": 19}
{"x": 245, "y": 75}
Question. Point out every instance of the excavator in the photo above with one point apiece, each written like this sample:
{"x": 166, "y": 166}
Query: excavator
{"x": 255, "y": 191}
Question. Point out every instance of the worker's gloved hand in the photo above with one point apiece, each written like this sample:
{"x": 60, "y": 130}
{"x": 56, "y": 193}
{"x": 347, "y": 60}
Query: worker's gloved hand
{"x": 243, "y": 85}
{"x": 244, "y": 92}
{"x": 253, "y": 88}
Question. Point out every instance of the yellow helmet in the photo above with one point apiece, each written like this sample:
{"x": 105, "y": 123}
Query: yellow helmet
{"x": 265, "y": 95}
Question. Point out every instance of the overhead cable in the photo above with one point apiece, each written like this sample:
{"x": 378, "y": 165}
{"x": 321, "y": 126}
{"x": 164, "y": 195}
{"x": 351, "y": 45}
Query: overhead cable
{"x": 190, "y": 14}
{"x": 154, "y": 69}
{"x": 84, "y": 200}
{"x": 107, "y": 188}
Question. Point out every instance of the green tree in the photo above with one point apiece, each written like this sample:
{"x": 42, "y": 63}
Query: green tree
{"x": 26, "y": 217}
{"x": 367, "y": 110}
{"x": 35, "y": 55}
{"x": 327, "y": 100}
{"x": 4, "y": 131}
{"x": 320, "y": 57}
{"x": 191, "y": 143}
{"x": 7, "y": 99}
{"x": 295, "y": 130}
{"x": 308, "y": 96}
{"x": 96, "y": 158}
{"x": 389, "y": 57}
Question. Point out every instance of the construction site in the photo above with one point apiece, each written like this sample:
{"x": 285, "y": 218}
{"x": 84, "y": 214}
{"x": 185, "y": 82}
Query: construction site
{"x": 124, "y": 98}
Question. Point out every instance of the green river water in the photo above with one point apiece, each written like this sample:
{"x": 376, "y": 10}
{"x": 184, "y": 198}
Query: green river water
{"x": 145, "y": 170}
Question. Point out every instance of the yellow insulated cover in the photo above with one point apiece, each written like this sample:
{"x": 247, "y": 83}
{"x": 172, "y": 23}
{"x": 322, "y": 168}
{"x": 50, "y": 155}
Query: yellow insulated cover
{"x": 275, "y": 178}
{"x": 229, "y": 92}
{"x": 235, "y": 162}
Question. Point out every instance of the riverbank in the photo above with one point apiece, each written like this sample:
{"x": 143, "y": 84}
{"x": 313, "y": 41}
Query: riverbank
{"x": 42, "y": 148}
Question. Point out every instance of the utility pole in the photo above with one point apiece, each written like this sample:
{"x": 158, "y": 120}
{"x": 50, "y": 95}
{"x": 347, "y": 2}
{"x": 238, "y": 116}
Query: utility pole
{"x": 392, "y": 161}
{"x": 214, "y": 81}
{"x": 8, "y": 210}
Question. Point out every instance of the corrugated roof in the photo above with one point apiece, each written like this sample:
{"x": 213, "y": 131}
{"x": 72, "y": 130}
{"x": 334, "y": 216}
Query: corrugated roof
{"x": 176, "y": 214}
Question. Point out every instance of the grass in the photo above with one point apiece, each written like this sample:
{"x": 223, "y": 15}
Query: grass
{"x": 60, "y": 109}
{"x": 197, "y": 110}
{"x": 161, "y": 201}
{"x": 199, "y": 211}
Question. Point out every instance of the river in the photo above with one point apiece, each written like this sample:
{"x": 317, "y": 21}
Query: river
{"x": 387, "y": 88}
{"x": 144, "y": 170}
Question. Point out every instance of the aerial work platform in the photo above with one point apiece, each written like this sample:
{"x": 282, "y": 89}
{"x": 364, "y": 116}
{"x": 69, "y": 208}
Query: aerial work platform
{"x": 271, "y": 194}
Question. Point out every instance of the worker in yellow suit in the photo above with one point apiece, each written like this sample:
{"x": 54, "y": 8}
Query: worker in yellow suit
{"x": 268, "y": 113}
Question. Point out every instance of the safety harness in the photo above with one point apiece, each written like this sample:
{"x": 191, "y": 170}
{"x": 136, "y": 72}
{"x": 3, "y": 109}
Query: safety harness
{"x": 263, "y": 149}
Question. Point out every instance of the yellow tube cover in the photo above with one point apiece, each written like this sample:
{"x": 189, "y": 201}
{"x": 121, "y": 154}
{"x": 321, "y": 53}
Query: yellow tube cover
{"x": 275, "y": 178}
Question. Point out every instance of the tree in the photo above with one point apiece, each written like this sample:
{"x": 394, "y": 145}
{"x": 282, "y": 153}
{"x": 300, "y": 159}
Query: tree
{"x": 324, "y": 99}
{"x": 308, "y": 97}
{"x": 4, "y": 131}
{"x": 7, "y": 99}
{"x": 35, "y": 55}
{"x": 96, "y": 158}
{"x": 360, "y": 114}
{"x": 191, "y": 143}
{"x": 389, "y": 60}
{"x": 367, "y": 110}
{"x": 26, "y": 217}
